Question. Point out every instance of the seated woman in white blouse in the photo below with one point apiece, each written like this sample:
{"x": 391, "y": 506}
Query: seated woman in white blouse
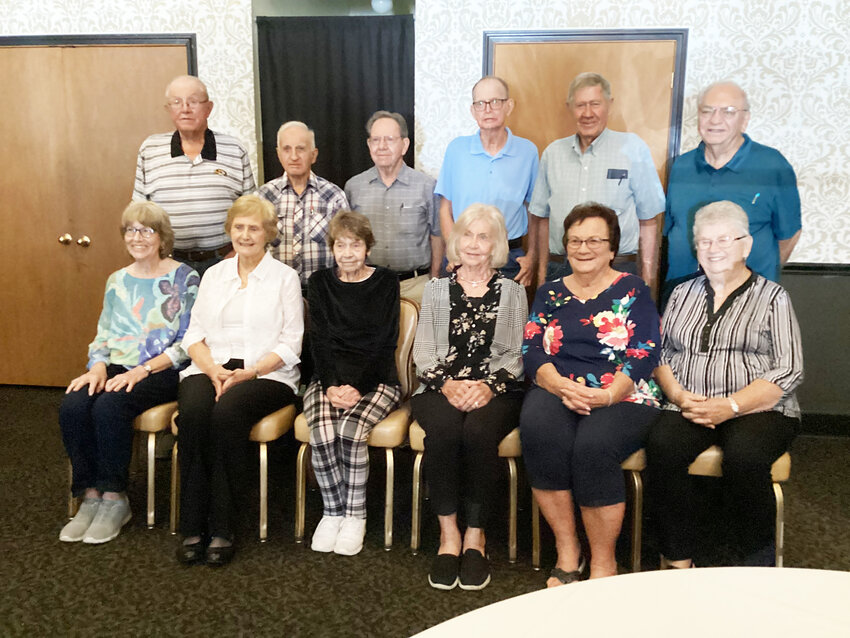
{"x": 731, "y": 359}
{"x": 244, "y": 339}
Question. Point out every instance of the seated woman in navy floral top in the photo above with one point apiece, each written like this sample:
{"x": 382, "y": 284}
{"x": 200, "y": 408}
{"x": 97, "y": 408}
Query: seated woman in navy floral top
{"x": 468, "y": 357}
{"x": 591, "y": 344}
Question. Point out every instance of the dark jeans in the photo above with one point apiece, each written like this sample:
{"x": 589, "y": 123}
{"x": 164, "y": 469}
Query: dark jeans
{"x": 462, "y": 451}
{"x": 213, "y": 445}
{"x": 98, "y": 430}
{"x": 568, "y": 451}
{"x": 750, "y": 445}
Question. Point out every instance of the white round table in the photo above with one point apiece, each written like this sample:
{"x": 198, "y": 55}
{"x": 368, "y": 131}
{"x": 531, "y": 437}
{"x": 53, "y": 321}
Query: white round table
{"x": 719, "y": 602}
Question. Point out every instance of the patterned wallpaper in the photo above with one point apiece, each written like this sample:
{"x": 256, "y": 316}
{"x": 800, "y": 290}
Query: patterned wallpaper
{"x": 224, "y": 41}
{"x": 792, "y": 57}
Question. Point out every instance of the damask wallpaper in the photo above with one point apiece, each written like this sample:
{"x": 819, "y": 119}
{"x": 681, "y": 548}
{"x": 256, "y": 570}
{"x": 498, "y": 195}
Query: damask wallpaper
{"x": 792, "y": 57}
{"x": 224, "y": 39}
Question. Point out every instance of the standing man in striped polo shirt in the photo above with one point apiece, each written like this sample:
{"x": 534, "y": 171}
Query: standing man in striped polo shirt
{"x": 195, "y": 174}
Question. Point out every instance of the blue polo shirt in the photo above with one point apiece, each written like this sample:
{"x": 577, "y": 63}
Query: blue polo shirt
{"x": 470, "y": 175}
{"x": 757, "y": 178}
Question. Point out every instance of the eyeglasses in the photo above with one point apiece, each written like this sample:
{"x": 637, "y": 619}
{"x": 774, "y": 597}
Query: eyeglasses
{"x": 175, "y": 104}
{"x": 496, "y": 104}
{"x": 594, "y": 243}
{"x": 726, "y": 112}
{"x": 144, "y": 232}
{"x": 389, "y": 140}
{"x": 722, "y": 242}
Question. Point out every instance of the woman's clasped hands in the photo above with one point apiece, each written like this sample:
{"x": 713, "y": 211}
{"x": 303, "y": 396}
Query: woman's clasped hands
{"x": 467, "y": 395}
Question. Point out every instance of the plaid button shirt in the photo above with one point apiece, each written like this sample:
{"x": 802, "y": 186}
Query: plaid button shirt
{"x": 302, "y": 222}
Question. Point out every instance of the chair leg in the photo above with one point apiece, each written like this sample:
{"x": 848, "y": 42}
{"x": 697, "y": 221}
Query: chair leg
{"x": 780, "y": 523}
{"x": 416, "y": 504}
{"x": 535, "y": 534}
{"x": 73, "y": 503}
{"x": 151, "y": 478}
{"x": 636, "y": 487}
{"x": 301, "y": 491}
{"x": 388, "y": 502}
{"x": 264, "y": 492}
{"x": 175, "y": 491}
{"x": 512, "y": 474}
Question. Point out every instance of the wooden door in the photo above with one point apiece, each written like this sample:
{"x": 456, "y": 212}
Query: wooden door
{"x": 73, "y": 120}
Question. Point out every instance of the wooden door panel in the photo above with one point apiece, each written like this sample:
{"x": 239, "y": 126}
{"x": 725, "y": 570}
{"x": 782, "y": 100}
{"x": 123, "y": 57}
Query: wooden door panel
{"x": 74, "y": 117}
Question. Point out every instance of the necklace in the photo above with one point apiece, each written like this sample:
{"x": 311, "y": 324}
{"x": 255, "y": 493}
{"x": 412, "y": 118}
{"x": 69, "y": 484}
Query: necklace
{"x": 473, "y": 282}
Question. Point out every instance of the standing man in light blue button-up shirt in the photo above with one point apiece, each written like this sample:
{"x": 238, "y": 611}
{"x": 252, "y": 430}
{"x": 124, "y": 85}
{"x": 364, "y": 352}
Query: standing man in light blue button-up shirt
{"x": 493, "y": 166}
{"x": 604, "y": 166}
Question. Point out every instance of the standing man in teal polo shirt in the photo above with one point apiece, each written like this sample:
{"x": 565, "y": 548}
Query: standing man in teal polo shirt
{"x": 494, "y": 167}
{"x": 728, "y": 165}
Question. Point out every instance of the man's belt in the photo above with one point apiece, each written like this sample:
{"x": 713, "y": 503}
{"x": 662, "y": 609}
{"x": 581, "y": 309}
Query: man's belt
{"x": 619, "y": 259}
{"x": 410, "y": 274}
{"x": 515, "y": 243}
{"x": 201, "y": 255}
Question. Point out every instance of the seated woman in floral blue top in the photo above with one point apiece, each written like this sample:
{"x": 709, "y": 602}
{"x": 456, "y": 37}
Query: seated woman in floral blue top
{"x": 133, "y": 365}
{"x": 591, "y": 344}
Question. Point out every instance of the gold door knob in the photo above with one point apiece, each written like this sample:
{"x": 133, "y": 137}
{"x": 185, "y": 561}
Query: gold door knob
{"x": 84, "y": 241}
{"x": 65, "y": 239}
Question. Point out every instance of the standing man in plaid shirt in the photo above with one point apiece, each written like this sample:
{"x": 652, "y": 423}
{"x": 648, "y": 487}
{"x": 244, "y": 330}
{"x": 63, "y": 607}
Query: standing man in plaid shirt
{"x": 305, "y": 203}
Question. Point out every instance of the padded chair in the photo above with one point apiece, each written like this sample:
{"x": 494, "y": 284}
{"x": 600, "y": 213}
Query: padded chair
{"x": 388, "y": 434}
{"x": 509, "y": 449}
{"x": 151, "y": 421}
{"x": 269, "y": 428}
{"x": 632, "y": 466}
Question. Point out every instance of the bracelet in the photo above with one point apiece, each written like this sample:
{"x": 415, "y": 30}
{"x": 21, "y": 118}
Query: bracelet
{"x": 610, "y": 398}
{"x": 148, "y": 369}
{"x": 735, "y": 407}
{"x": 256, "y": 372}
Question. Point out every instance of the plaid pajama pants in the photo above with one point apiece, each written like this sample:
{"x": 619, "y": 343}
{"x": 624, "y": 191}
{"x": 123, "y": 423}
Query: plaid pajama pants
{"x": 338, "y": 441}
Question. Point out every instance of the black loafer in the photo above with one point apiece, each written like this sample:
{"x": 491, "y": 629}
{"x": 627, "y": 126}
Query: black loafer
{"x": 220, "y": 556}
{"x": 444, "y": 571}
{"x": 474, "y": 570}
{"x": 191, "y": 553}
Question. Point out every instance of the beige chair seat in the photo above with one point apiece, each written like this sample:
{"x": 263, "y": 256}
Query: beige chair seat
{"x": 509, "y": 448}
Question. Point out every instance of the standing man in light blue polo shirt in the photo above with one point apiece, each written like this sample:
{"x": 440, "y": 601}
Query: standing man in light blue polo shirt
{"x": 604, "y": 166}
{"x": 494, "y": 167}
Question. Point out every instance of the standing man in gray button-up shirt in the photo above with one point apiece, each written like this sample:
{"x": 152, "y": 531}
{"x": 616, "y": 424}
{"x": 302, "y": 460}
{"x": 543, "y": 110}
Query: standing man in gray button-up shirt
{"x": 604, "y": 166}
{"x": 401, "y": 206}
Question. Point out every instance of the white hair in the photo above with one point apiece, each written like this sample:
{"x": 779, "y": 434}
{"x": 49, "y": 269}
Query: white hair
{"x": 298, "y": 125}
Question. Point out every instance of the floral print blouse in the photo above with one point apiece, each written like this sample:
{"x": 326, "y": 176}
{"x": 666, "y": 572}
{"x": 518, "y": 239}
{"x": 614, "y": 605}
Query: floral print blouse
{"x": 144, "y": 317}
{"x": 472, "y": 324}
{"x": 590, "y": 340}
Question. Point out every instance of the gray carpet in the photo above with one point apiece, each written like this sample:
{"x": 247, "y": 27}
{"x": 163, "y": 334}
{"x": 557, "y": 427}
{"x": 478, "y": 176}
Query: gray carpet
{"x": 133, "y": 586}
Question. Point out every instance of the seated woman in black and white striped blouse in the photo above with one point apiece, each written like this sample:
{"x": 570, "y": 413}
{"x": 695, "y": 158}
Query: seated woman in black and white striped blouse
{"x": 731, "y": 359}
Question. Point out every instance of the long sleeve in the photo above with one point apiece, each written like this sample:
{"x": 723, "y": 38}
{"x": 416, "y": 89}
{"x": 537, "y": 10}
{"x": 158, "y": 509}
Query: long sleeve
{"x": 99, "y": 348}
{"x": 186, "y": 282}
{"x": 506, "y": 362}
{"x": 430, "y": 367}
{"x": 787, "y": 347}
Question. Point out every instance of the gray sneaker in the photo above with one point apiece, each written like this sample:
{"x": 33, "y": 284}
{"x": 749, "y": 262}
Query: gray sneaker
{"x": 111, "y": 517}
{"x": 75, "y": 529}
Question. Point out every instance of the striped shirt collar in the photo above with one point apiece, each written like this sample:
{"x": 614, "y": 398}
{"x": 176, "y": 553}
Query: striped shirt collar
{"x": 207, "y": 153}
{"x": 311, "y": 181}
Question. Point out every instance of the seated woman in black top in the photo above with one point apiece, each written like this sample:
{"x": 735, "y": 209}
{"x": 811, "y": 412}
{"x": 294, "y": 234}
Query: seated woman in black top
{"x": 354, "y": 310}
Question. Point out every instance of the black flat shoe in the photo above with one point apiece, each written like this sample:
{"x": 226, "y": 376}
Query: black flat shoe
{"x": 444, "y": 571}
{"x": 474, "y": 570}
{"x": 191, "y": 553}
{"x": 220, "y": 556}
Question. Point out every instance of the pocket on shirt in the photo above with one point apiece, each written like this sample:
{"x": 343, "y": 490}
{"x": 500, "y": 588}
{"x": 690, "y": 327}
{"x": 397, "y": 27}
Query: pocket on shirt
{"x": 411, "y": 219}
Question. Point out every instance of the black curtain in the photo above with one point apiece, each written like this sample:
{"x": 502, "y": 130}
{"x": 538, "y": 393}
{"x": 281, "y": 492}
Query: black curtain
{"x": 332, "y": 74}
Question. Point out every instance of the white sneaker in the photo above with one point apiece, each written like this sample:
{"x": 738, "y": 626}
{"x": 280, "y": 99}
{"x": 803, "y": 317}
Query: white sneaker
{"x": 324, "y": 538}
{"x": 75, "y": 529}
{"x": 349, "y": 541}
{"x": 110, "y": 518}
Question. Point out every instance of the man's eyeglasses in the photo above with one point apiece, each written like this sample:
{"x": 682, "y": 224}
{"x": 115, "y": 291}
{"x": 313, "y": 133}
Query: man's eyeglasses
{"x": 496, "y": 104}
{"x": 594, "y": 243}
{"x": 144, "y": 232}
{"x": 726, "y": 112}
{"x": 722, "y": 242}
{"x": 175, "y": 104}
{"x": 389, "y": 140}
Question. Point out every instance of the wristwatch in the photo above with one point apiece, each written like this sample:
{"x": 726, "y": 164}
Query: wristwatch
{"x": 148, "y": 369}
{"x": 735, "y": 408}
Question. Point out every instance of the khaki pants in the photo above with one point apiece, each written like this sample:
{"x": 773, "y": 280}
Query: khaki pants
{"x": 414, "y": 287}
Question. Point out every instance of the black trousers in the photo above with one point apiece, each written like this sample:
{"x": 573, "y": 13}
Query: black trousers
{"x": 213, "y": 446}
{"x": 462, "y": 451}
{"x": 750, "y": 445}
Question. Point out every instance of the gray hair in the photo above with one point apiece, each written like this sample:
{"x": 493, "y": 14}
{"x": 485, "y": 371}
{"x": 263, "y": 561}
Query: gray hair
{"x": 704, "y": 92}
{"x": 498, "y": 233}
{"x": 721, "y": 212}
{"x": 492, "y": 77}
{"x": 192, "y": 78}
{"x": 583, "y": 80}
{"x": 298, "y": 125}
{"x": 398, "y": 118}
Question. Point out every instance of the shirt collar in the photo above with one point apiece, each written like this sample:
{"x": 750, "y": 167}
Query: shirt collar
{"x": 733, "y": 164}
{"x": 311, "y": 181}
{"x": 231, "y": 268}
{"x": 208, "y": 152}
{"x": 599, "y": 142}
{"x": 477, "y": 148}
{"x": 403, "y": 177}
